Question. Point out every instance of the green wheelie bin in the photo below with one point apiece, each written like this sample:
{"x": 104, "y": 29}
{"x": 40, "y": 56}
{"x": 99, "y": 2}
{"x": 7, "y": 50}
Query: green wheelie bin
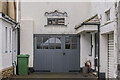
{"x": 23, "y": 64}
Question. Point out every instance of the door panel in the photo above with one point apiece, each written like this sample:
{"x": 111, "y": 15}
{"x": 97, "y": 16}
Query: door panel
{"x": 56, "y": 53}
{"x": 72, "y": 52}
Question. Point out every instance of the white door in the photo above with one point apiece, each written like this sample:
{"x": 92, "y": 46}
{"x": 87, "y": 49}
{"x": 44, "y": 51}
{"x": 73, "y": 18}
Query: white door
{"x": 111, "y": 55}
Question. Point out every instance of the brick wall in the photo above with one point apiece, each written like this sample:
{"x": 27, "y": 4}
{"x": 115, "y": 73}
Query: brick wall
{"x": 7, "y": 72}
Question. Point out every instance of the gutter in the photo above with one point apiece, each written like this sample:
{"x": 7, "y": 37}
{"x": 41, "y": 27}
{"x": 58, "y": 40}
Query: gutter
{"x": 86, "y": 21}
{"x": 7, "y": 19}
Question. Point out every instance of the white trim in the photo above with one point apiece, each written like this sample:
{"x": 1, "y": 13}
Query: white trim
{"x": 87, "y": 28}
{"x": 7, "y": 19}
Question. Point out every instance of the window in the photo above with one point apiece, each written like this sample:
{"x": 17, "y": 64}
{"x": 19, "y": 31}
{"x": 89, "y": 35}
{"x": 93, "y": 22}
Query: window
{"x": 107, "y": 15}
{"x": 10, "y": 37}
{"x": 52, "y": 42}
{"x": 58, "y": 42}
{"x": 56, "y": 18}
{"x": 67, "y": 42}
{"x": 74, "y": 42}
{"x": 14, "y": 41}
{"x": 70, "y": 42}
{"x": 49, "y": 42}
{"x": 56, "y": 21}
{"x": 96, "y": 44}
{"x": 39, "y": 42}
{"x": 8, "y": 40}
{"x": 91, "y": 45}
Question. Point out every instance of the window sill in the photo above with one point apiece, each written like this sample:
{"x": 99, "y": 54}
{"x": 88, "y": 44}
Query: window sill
{"x": 90, "y": 54}
{"x": 55, "y": 25}
{"x": 108, "y": 22}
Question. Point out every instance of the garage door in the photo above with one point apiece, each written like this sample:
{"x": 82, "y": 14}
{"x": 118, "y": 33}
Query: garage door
{"x": 111, "y": 55}
{"x": 56, "y": 53}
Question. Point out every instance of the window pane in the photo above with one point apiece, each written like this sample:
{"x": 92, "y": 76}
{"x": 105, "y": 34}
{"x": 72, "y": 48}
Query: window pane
{"x": 6, "y": 40}
{"x": 74, "y": 46}
{"x": 49, "y": 22}
{"x": 58, "y": 40}
{"x": 45, "y": 42}
{"x": 10, "y": 44}
{"x": 61, "y": 21}
{"x": 52, "y": 42}
{"x": 107, "y": 15}
{"x": 56, "y": 21}
{"x": 74, "y": 40}
{"x": 52, "y": 46}
{"x": 45, "y": 46}
{"x": 58, "y": 46}
{"x": 39, "y": 42}
{"x": 67, "y": 46}
{"x": 58, "y": 43}
{"x": 67, "y": 40}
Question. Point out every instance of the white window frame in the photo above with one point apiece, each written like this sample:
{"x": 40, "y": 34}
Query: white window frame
{"x": 14, "y": 41}
{"x": 6, "y": 40}
{"x": 107, "y": 14}
{"x": 10, "y": 40}
{"x": 65, "y": 21}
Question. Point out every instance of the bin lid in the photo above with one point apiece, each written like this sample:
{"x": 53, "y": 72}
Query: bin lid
{"x": 22, "y": 55}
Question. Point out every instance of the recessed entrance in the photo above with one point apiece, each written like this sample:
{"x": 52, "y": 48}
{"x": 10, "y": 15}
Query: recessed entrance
{"x": 56, "y": 53}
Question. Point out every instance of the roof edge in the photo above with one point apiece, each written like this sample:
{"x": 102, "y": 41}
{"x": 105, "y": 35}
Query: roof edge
{"x": 86, "y": 21}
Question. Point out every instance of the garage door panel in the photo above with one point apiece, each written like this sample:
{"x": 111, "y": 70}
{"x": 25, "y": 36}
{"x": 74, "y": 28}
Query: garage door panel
{"x": 43, "y": 62}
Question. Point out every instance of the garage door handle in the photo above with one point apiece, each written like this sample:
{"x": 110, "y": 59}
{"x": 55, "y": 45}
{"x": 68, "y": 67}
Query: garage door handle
{"x": 63, "y": 53}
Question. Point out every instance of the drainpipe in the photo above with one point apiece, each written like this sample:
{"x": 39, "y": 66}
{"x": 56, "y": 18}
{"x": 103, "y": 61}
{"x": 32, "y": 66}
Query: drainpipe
{"x": 98, "y": 51}
{"x": 18, "y": 41}
{"x": 18, "y": 29}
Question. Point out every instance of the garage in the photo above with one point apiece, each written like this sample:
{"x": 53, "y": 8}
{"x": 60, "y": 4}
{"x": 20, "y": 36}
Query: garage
{"x": 56, "y": 53}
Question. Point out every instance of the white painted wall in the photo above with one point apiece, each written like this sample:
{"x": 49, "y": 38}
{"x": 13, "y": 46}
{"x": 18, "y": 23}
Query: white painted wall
{"x": 85, "y": 49}
{"x": 112, "y": 27}
{"x": 103, "y": 53}
{"x": 26, "y": 39}
{"x": 106, "y": 27}
{"x": 36, "y": 11}
{"x": 100, "y": 8}
{"x": 87, "y": 28}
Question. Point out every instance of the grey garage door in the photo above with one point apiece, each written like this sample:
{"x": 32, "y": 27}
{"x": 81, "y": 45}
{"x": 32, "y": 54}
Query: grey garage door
{"x": 56, "y": 53}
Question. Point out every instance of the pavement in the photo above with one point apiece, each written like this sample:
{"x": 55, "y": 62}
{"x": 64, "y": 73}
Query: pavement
{"x": 54, "y": 76}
